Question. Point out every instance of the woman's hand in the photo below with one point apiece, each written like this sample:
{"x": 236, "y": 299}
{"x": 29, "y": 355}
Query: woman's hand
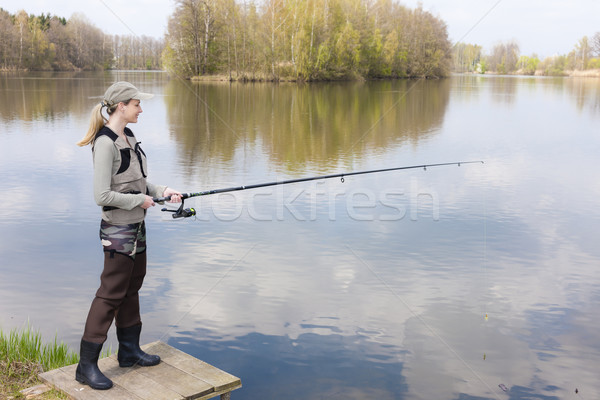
{"x": 175, "y": 195}
{"x": 148, "y": 202}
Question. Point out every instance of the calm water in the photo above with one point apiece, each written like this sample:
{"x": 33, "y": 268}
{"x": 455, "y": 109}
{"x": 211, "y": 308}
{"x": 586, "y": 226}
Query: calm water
{"x": 376, "y": 287}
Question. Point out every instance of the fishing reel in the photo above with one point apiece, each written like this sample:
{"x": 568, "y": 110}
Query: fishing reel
{"x": 181, "y": 212}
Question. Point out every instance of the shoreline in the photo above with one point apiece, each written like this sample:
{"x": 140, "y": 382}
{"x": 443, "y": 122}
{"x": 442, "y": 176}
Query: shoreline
{"x": 23, "y": 355}
{"x": 587, "y": 73}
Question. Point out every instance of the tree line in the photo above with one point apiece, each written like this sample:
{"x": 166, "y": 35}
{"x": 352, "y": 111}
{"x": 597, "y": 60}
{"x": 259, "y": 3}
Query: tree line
{"x": 274, "y": 40}
{"x": 505, "y": 58}
{"x": 305, "y": 40}
{"x": 297, "y": 39}
{"x": 49, "y": 42}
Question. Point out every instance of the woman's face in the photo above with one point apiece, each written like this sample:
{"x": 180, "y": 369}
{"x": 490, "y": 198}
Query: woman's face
{"x": 132, "y": 110}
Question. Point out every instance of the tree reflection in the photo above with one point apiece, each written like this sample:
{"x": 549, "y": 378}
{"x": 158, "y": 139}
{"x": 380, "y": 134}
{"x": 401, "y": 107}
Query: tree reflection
{"x": 318, "y": 124}
{"x": 29, "y": 96}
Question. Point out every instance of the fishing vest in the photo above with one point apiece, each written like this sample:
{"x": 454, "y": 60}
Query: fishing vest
{"x": 129, "y": 178}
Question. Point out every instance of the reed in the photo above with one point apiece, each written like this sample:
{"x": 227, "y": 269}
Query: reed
{"x": 25, "y": 345}
{"x": 23, "y": 355}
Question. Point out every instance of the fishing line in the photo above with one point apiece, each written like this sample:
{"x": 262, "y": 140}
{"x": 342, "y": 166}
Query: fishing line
{"x": 485, "y": 272}
{"x": 478, "y": 22}
{"x": 422, "y": 320}
{"x": 180, "y": 78}
{"x": 411, "y": 87}
{"x": 205, "y": 295}
{"x": 119, "y": 18}
{"x": 425, "y": 324}
{"x": 182, "y": 212}
{"x": 187, "y": 86}
{"x": 486, "y": 290}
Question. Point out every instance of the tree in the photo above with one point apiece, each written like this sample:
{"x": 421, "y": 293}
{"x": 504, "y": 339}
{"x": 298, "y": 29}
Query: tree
{"x": 394, "y": 60}
{"x": 504, "y": 57}
{"x": 429, "y": 52}
{"x": 9, "y": 42}
{"x": 40, "y": 55}
{"x": 192, "y": 47}
{"x": 62, "y": 44}
{"x": 466, "y": 57}
{"x": 582, "y": 53}
{"x": 183, "y": 47}
{"x": 554, "y": 66}
{"x": 347, "y": 50}
{"x": 90, "y": 44}
{"x": 21, "y": 21}
{"x": 528, "y": 65}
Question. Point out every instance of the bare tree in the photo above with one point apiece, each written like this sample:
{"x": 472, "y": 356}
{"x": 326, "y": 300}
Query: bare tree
{"x": 504, "y": 58}
{"x": 9, "y": 39}
{"x": 582, "y": 53}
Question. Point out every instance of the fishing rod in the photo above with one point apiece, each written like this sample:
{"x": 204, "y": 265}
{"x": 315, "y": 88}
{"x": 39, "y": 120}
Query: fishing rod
{"x": 188, "y": 212}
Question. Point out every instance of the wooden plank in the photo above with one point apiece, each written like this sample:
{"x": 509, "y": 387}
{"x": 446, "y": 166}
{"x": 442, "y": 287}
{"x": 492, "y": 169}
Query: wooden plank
{"x": 188, "y": 386}
{"x": 221, "y": 380}
{"x": 225, "y": 394}
{"x": 35, "y": 390}
{"x": 136, "y": 383}
{"x": 65, "y": 382}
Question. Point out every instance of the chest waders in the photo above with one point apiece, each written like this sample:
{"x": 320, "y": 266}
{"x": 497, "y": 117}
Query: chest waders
{"x": 124, "y": 270}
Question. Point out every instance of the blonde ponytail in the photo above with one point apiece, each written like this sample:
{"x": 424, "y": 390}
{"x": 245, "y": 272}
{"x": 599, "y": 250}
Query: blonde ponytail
{"x": 97, "y": 121}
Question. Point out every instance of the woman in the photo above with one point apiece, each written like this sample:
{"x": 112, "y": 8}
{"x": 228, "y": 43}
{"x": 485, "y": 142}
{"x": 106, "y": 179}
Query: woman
{"x": 121, "y": 189}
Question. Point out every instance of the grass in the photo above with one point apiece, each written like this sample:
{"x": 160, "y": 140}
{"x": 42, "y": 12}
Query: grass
{"x": 23, "y": 356}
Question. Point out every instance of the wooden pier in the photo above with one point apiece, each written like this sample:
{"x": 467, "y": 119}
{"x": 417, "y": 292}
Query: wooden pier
{"x": 178, "y": 376}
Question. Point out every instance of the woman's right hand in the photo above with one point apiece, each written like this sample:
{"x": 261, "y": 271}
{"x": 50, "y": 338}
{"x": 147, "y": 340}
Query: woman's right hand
{"x": 148, "y": 202}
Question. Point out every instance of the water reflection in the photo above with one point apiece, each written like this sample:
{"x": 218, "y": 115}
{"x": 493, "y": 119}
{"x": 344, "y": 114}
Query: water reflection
{"x": 583, "y": 92}
{"x": 296, "y": 125}
{"x": 586, "y": 93}
{"x": 54, "y": 96}
{"x": 308, "y": 366}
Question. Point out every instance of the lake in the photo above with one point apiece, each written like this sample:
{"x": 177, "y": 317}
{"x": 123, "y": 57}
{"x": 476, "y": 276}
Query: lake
{"x": 473, "y": 282}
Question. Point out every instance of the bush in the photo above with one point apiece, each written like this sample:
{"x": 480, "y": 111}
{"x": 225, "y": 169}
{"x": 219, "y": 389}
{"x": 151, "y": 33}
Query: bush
{"x": 594, "y": 63}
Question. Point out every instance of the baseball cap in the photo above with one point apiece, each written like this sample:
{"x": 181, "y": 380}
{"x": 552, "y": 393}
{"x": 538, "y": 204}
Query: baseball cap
{"x": 123, "y": 91}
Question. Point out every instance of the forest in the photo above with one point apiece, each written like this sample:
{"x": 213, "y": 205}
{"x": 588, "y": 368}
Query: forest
{"x": 48, "y": 42}
{"x": 300, "y": 40}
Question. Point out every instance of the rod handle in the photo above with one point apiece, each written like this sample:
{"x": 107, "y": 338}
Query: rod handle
{"x": 167, "y": 198}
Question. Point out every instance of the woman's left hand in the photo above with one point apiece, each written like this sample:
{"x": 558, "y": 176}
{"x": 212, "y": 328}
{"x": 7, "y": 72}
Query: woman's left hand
{"x": 175, "y": 195}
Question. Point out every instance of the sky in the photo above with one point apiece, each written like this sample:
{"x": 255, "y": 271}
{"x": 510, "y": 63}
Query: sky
{"x": 543, "y": 27}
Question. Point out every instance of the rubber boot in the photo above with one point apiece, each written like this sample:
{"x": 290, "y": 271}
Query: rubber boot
{"x": 87, "y": 370}
{"x": 129, "y": 348}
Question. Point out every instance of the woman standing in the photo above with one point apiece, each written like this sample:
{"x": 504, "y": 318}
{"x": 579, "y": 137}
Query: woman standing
{"x": 121, "y": 189}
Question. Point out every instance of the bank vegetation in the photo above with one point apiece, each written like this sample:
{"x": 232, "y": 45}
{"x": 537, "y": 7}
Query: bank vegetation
{"x": 505, "y": 58}
{"x": 23, "y": 356}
